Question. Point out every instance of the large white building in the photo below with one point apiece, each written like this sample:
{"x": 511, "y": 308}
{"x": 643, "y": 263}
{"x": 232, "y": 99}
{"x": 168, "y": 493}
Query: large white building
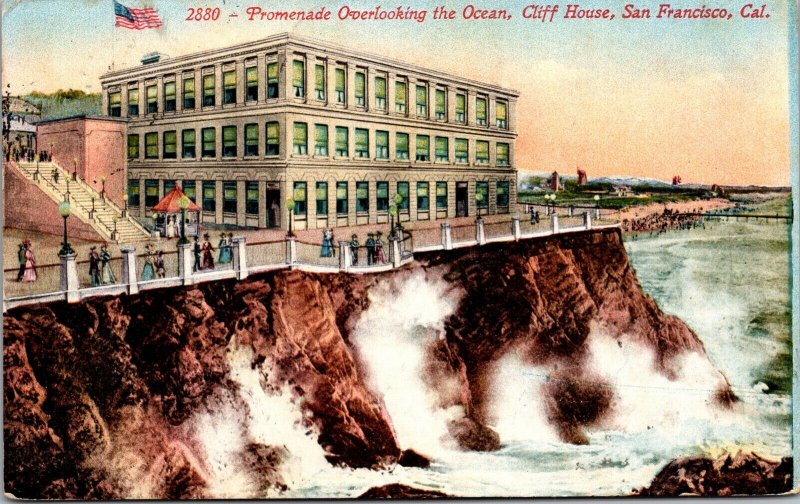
{"x": 340, "y": 131}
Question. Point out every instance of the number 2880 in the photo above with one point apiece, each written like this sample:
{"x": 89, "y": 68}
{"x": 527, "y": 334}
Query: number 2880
{"x": 203, "y": 14}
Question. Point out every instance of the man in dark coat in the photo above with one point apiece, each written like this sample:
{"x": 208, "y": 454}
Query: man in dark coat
{"x": 354, "y": 249}
{"x": 94, "y": 266}
{"x": 197, "y": 263}
{"x": 370, "y": 243}
{"x": 21, "y": 258}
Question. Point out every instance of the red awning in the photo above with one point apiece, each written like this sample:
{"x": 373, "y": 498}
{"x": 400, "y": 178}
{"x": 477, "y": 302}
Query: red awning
{"x": 169, "y": 203}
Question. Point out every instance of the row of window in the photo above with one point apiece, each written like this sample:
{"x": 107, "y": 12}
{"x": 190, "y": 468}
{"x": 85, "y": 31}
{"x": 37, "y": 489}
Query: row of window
{"x": 299, "y": 89}
{"x": 300, "y": 144}
{"x": 208, "y": 196}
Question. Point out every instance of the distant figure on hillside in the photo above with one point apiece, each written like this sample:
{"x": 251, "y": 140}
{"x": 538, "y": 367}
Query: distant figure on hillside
{"x": 94, "y": 266}
{"x": 30, "y": 263}
{"x": 148, "y": 270}
{"x": 354, "y": 249}
{"x": 327, "y": 243}
{"x": 106, "y": 274}
{"x": 22, "y": 260}
{"x": 208, "y": 253}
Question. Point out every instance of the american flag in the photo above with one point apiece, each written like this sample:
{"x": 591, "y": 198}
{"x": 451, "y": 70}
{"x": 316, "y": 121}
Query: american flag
{"x": 136, "y": 19}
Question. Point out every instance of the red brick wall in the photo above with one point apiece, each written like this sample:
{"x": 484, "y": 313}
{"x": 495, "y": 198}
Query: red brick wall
{"x": 27, "y": 207}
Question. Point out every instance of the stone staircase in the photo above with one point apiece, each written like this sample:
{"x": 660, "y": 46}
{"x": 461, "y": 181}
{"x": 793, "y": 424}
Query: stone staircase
{"x": 101, "y": 215}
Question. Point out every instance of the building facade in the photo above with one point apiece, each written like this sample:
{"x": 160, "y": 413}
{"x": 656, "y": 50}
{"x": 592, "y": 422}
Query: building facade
{"x": 340, "y": 132}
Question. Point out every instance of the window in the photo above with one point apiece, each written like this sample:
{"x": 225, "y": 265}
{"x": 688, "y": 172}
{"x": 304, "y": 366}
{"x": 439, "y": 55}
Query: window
{"x": 272, "y": 80}
{"x": 423, "y": 148}
{"x": 273, "y": 139}
{"x": 322, "y": 198}
{"x": 229, "y": 197}
{"x": 229, "y": 141}
{"x": 115, "y": 104}
{"x": 133, "y": 102}
{"x": 342, "y": 149}
{"x": 461, "y": 108}
{"x": 502, "y": 194}
{"x": 441, "y": 104}
{"x": 151, "y": 146}
{"x": 189, "y": 190}
{"x": 482, "y": 194}
{"x": 502, "y": 154}
{"x": 362, "y": 196}
{"x": 251, "y": 139}
{"x": 170, "y": 98}
{"x": 340, "y": 86}
{"x": 229, "y": 87}
{"x": 400, "y": 97}
{"x": 402, "y": 190}
{"x": 150, "y": 193}
{"x": 361, "y": 89}
{"x": 480, "y": 111}
{"x": 152, "y": 99}
{"x": 300, "y": 199}
{"x": 382, "y": 196}
{"x": 321, "y": 140}
{"x": 380, "y": 93}
{"x": 401, "y": 146}
{"x": 188, "y": 143}
{"x": 169, "y": 185}
{"x": 170, "y": 145}
{"x": 501, "y": 115}
{"x": 462, "y": 150}
{"x": 382, "y": 145}
{"x": 482, "y": 152}
{"x": 251, "y": 198}
{"x": 299, "y": 78}
{"x": 441, "y": 196}
{"x": 422, "y": 101}
{"x": 133, "y": 192}
{"x": 362, "y": 143}
{"x": 319, "y": 82}
{"x": 442, "y": 149}
{"x": 300, "y": 137}
{"x": 209, "y": 142}
{"x": 423, "y": 198}
{"x": 208, "y": 90}
{"x": 209, "y": 196}
{"x": 188, "y": 93}
{"x": 341, "y": 198}
{"x": 251, "y": 79}
{"x": 133, "y": 146}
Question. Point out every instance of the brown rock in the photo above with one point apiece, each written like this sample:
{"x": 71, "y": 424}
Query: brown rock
{"x": 472, "y": 435}
{"x": 398, "y": 491}
{"x": 410, "y": 458}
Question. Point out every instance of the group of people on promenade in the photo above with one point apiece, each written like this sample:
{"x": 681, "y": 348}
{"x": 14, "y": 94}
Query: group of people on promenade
{"x": 27, "y": 262}
{"x": 374, "y": 246}
{"x": 19, "y": 152}
{"x": 100, "y": 272}
{"x": 204, "y": 253}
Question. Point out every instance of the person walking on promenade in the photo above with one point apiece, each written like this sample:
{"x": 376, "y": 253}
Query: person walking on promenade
{"x": 327, "y": 244}
{"x": 161, "y": 271}
{"x": 55, "y": 175}
{"x": 30, "y": 263}
{"x": 370, "y": 243}
{"x": 106, "y": 274}
{"x": 225, "y": 252}
{"x": 176, "y": 227}
{"x": 354, "y": 249}
{"x": 148, "y": 270}
{"x": 21, "y": 259}
{"x": 94, "y": 266}
{"x": 380, "y": 255}
{"x": 169, "y": 229}
{"x": 208, "y": 253}
{"x": 198, "y": 265}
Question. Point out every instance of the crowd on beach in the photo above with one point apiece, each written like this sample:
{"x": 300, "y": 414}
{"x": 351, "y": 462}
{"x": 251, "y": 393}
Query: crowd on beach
{"x": 657, "y": 223}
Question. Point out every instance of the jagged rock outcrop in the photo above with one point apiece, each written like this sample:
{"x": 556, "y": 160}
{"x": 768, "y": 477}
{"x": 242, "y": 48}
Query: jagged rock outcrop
{"x": 398, "y": 491}
{"x": 86, "y": 382}
{"x": 740, "y": 474}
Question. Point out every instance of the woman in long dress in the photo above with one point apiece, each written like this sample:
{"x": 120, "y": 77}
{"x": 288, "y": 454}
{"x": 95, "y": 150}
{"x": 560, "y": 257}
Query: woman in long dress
{"x": 170, "y": 227}
{"x": 106, "y": 273}
{"x": 225, "y": 254}
{"x": 30, "y": 264}
{"x": 149, "y": 270}
{"x": 161, "y": 271}
{"x": 327, "y": 243}
{"x": 208, "y": 253}
{"x": 380, "y": 256}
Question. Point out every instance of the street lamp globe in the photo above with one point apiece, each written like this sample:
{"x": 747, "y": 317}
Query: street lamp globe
{"x": 64, "y": 209}
{"x": 183, "y": 204}
{"x": 398, "y": 199}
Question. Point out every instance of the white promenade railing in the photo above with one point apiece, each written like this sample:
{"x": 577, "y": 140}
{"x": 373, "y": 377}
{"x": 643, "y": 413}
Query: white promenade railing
{"x": 134, "y": 273}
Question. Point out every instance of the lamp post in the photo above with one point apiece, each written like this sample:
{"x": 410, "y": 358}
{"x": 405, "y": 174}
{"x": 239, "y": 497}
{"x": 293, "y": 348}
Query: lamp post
{"x": 125, "y": 200}
{"x": 479, "y": 201}
{"x": 392, "y": 211}
{"x": 67, "y": 196}
{"x": 50, "y": 154}
{"x": 64, "y": 210}
{"x": 36, "y": 174}
{"x": 553, "y": 202}
{"x": 183, "y": 204}
{"x": 74, "y": 168}
{"x": 547, "y": 203}
{"x": 115, "y": 219}
{"x": 597, "y": 206}
{"x": 398, "y": 202}
{"x": 290, "y": 207}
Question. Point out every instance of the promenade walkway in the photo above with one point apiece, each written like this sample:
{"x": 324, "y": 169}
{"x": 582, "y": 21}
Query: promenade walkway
{"x": 69, "y": 279}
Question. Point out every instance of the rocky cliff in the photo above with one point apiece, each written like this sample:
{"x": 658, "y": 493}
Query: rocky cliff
{"x": 102, "y": 390}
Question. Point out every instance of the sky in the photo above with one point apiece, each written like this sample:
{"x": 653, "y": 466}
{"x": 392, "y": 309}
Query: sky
{"x": 703, "y": 99}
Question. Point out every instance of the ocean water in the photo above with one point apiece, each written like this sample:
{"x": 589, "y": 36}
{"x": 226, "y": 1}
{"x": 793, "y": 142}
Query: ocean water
{"x": 729, "y": 282}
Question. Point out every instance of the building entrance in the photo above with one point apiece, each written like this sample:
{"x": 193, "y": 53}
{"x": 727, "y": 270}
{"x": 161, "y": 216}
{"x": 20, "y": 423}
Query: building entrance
{"x": 273, "y": 205}
{"x": 462, "y": 209}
